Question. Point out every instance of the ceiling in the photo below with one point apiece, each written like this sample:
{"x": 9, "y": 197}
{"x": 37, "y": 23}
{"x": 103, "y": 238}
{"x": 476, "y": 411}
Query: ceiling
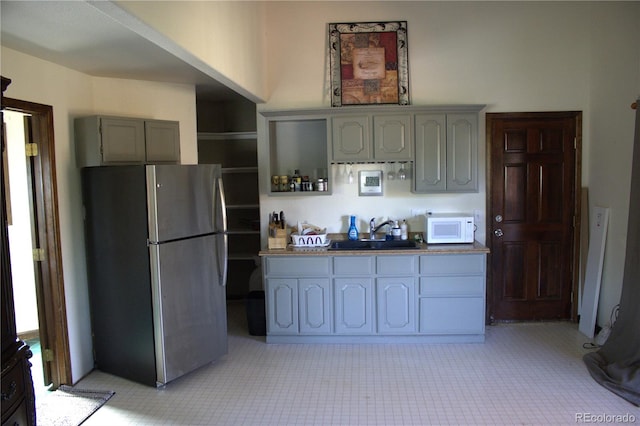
{"x": 100, "y": 39}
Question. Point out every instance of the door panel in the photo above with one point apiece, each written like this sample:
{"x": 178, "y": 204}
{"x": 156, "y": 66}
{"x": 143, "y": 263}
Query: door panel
{"x": 182, "y": 200}
{"x": 531, "y": 218}
{"x": 190, "y": 316}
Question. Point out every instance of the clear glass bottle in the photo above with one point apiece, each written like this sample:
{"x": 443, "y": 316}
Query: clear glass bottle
{"x": 353, "y": 230}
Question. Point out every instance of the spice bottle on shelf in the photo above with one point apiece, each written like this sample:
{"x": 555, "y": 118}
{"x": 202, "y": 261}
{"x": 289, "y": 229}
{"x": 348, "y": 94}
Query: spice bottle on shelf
{"x": 296, "y": 180}
{"x": 353, "y": 231}
{"x": 284, "y": 183}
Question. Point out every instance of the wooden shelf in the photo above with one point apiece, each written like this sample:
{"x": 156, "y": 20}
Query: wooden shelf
{"x": 242, "y": 232}
{"x": 242, "y": 206}
{"x": 239, "y": 170}
{"x": 208, "y": 136}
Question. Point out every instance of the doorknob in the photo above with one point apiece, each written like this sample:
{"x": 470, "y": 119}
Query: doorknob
{"x": 498, "y": 232}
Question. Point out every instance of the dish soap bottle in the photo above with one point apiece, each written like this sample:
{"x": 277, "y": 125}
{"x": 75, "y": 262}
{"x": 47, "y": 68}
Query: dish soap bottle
{"x": 404, "y": 230}
{"x": 353, "y": 231}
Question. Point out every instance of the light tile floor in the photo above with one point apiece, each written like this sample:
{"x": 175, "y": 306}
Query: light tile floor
{"x": 529, "y": 374}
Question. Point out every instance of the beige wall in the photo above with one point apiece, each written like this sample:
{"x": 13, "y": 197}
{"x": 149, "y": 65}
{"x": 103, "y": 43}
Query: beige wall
{"x": 74, "y": 94}
{"x": 229, "y": 37}
{"x": 511, "y": 56}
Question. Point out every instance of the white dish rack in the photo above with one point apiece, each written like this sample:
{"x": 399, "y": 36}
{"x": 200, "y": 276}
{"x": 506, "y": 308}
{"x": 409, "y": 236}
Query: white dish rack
{"x": 309, "y": 240}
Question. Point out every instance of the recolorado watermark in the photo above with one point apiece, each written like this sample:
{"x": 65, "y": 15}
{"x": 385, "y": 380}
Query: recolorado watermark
{"x": 605, "y": 418}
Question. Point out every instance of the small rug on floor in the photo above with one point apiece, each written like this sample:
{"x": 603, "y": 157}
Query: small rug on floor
{"x": 69, "y": 406}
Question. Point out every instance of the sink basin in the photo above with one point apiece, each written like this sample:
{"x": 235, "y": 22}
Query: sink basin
{"x": 373, "y": 245}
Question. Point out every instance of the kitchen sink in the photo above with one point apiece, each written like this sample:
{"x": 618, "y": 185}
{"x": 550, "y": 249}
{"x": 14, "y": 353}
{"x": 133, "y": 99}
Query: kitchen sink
{"x": 373, "y": 245}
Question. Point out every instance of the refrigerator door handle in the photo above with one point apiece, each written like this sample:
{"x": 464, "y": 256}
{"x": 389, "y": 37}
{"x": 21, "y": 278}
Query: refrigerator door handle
{"x": 223, "y": 212}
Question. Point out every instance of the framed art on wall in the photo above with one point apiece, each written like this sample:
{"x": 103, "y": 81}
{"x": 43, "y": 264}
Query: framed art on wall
{"x": 369, "y": 63}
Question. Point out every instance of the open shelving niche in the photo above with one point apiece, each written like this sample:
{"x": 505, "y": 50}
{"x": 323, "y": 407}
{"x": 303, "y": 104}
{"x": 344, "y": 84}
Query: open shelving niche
{"x": 237, "y": 153}
{"x": 297, "y": 140}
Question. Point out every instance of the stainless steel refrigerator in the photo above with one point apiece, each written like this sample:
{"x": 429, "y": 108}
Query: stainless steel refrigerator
{"x": 157, "y": 263}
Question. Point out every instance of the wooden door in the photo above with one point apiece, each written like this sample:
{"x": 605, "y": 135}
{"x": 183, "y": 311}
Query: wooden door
{"x": 532, "y": 211}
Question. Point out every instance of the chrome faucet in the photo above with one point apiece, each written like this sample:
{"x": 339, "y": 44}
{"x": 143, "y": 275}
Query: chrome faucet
{"x": 373, "y": 228}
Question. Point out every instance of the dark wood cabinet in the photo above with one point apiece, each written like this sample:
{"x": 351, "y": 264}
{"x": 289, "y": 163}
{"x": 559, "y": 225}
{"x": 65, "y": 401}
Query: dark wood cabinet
{"x": 17, "y": 396}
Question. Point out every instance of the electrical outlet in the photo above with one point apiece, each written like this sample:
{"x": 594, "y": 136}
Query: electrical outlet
{"x": 477, "y": 215}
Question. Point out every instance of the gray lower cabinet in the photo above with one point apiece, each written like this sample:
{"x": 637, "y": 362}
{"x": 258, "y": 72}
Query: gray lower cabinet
{"x": 298, "y": 295}
{"x": 282, "y": 306}
{"x": 353, "y": 305}
{"x": 396, "y": 305}
{"x": 452, "y": 294}
{"x": 395, "y": 294}
{"x": 314, "y": 305}
{"x": 353, "y": 291}
{"x": 435, "y": 297}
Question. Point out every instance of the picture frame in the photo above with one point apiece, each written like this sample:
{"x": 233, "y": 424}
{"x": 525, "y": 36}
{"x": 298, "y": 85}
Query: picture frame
{"x": 369, "y": 63}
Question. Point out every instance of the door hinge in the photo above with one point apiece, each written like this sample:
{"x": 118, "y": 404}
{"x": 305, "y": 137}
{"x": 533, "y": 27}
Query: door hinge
{"x": 31, "y": 149}
{"x": 575, "y": 143}
{"x": 47, "y": 355}
{"x": 38, "y": 255}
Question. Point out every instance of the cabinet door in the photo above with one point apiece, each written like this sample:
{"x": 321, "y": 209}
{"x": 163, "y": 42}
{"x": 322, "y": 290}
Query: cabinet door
{"x": 396, "y": 305}
{"x": 430, "y": 153}
{"x": 351, "y": 138}
{"x": 162, "y": 141}
{"x": 392, "y": 137}
{"x": 314, "y": 300}
{"x": 122, "y": 141}
{"x": 353, "y": 305}
{"x": 462, "y": 152}
{"x": 282, "y": 306}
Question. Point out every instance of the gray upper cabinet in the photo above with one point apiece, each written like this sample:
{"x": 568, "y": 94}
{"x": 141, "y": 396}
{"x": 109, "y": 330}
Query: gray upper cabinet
{"x": 162, "y": 141}
{"x": 446, "y": 152}
{"x": 117, "y": 140}
{"x": 351, "y": 138}
{"x": 372, "y": 137}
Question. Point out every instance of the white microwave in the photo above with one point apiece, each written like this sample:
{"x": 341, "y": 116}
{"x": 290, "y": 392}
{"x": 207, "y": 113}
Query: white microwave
{"x": 442, "y": 228}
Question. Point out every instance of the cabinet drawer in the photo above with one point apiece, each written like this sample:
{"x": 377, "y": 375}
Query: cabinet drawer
{"x": 452, "y": 315}
{"x": 13, "y": 386}
{"x": 353, "y": 265}
{"x": 454, "y": 264}
{"x": 19, "y": 417}
{"x": 395, "y": 265}
{"x": 297, "y": 266}
{"x": 451, "y": 286}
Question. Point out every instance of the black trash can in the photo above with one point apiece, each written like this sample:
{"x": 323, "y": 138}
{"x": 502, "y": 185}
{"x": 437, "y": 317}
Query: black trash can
{"x": 256, "y": 317}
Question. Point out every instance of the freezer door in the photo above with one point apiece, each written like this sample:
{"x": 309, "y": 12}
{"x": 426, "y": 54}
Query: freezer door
{"x": 190, "y": 315}
{"x": 183, "y": 201}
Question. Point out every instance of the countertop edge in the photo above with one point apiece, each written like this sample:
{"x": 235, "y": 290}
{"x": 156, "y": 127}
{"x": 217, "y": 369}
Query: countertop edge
{"x": 423, "y": 249}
